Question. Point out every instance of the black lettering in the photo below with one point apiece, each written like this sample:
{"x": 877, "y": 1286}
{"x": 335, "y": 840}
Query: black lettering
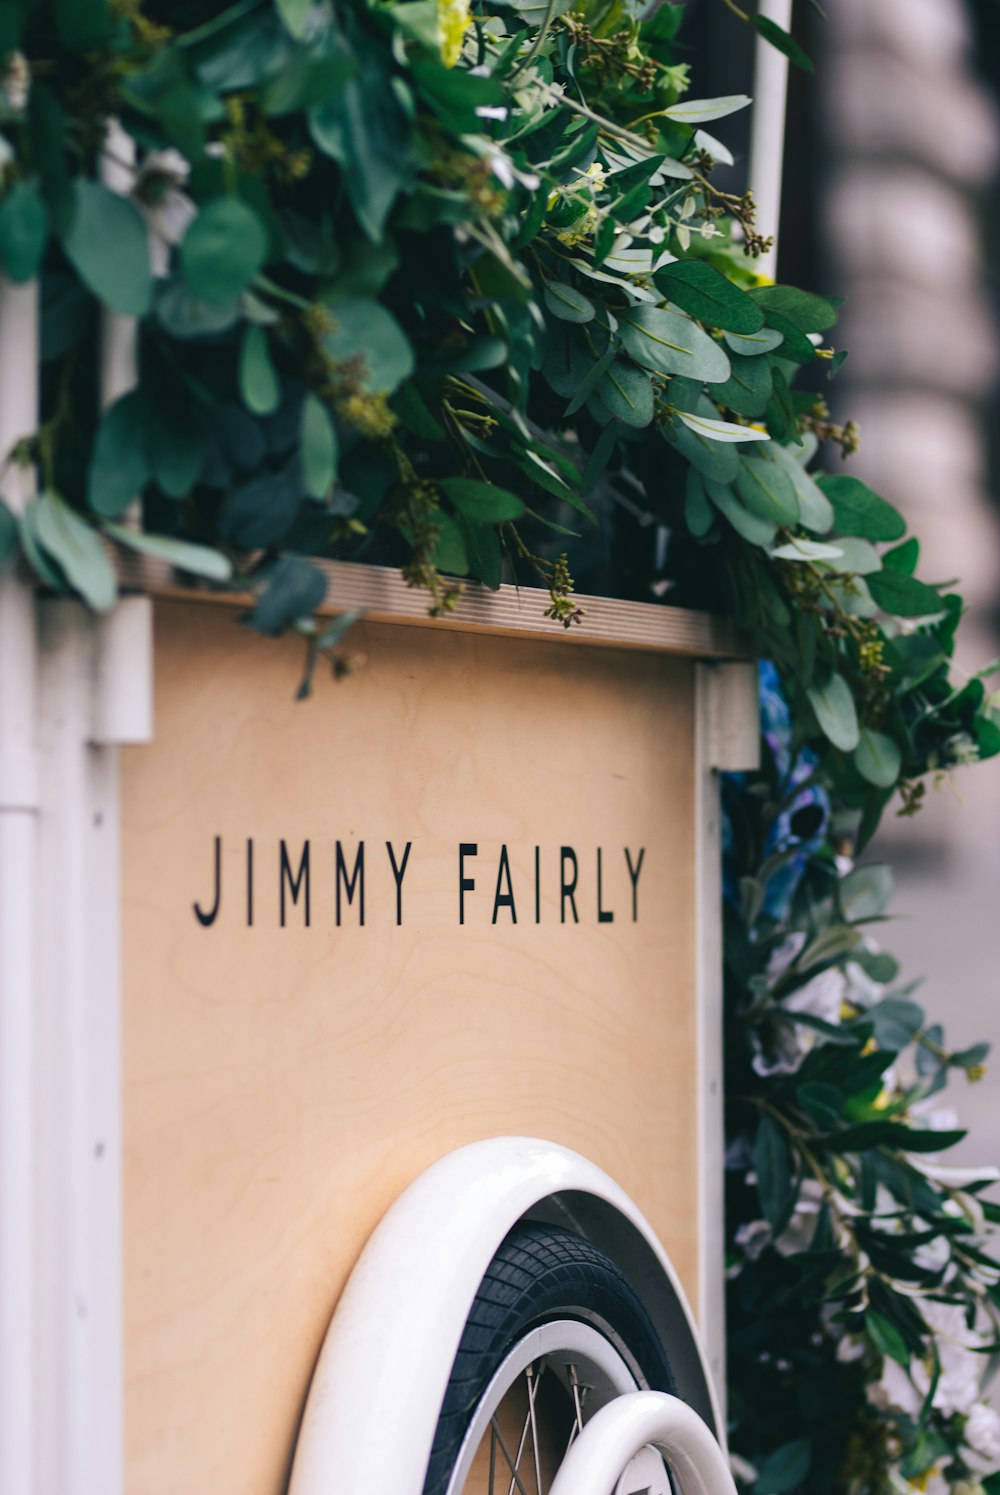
{"x": 398, "y": 873}
{"x": 299, "y": 881}
{"x": 504, "y": 900}
{"x": 567, "y": 889}
{"x": 538, "y": 885}
{"x": 206, "y": 919}
{"x": 350, "y": 883}
{"x": 465, "y": 884}
{"x": 604, "y": 915}
{"x": 633, "y": 873}
{"x": 249, "y": 882}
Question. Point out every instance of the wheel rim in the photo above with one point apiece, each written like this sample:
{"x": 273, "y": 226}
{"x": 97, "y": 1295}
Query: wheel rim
{"x": 537, "y": 1401}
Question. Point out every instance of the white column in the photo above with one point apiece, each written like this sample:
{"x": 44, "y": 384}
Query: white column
{"x": 18, "y": 988}
{"x": 767, "y": 135}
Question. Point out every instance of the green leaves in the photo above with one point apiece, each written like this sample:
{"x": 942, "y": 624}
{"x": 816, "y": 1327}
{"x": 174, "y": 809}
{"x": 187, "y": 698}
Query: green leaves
{"x": 223, "y": 250}
{"x": 259, "y": 384}
{"x": 106, "y": 243}
{"x": 904, "y": 595}
{"x": 806, "y": 312}
{"x": 768, "y": 490}
{"x": 831, "y": 699}
{"x": 878, "y": 758}
{"x": 859, "y": 511}
{"x": 669, "y": 343}
{"x": 701, "y": 291}
{"x": 567, "y": 303}
{"x": 482, "y": 502}
{"x": 319, "y": 448}
{"x": 628, "y": 393}
{"x": 69, "y": 542}
{"x": 119, "y": 467}
{"x": 368, "y": 337}
{"x": 24, "y": 231}
{"x": 775, "y": 1173}
{"x": 778, "y": 37}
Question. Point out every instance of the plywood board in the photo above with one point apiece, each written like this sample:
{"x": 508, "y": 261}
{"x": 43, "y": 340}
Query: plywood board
{"x": 286, "y": 1074}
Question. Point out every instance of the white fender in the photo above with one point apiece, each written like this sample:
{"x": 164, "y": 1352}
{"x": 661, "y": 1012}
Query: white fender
{"x": 380, "y": 1380}
{"x": 616, "y": 1433}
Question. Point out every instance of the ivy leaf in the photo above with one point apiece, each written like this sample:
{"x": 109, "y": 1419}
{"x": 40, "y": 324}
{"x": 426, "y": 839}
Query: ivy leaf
{"x": 774, "y": 1167}
{"x": 836, "y": 713}
{"x": 24, "y": 231}
{"x": 778, "y": 37}
{"x": 859, "y": 511}
{"x": 223, "y": 249}
{"x": 904, "y": 596}
{"x": 482, "y": 502}
{"x": 72, "y": 544}
{"x": 199, "y": 560}
{"x": 703, "y": 293}
{"x": 628, "y": 393}
{"x": 319, "y": 447}
{"x": 107, "y": 245}
{"x": 805, "y": 311}
{"x": 766, "y": 489}
{"x": 294, "y": 589}
{"x": 700, "y": 111}
{"x": 670, "y": 343}
{"x": 720, "y": 430}
{"x": 878, "y": 759}
{"x": 119, "y": 468}
{"x": 567, "y": 303}
{"x": 259, "y": 385}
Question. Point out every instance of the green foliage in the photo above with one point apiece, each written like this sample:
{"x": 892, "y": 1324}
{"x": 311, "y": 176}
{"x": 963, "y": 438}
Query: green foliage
{"x": 458, "y": 293}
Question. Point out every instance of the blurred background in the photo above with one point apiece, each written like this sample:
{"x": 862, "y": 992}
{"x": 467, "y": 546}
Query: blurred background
{"x": 892, "y": 199}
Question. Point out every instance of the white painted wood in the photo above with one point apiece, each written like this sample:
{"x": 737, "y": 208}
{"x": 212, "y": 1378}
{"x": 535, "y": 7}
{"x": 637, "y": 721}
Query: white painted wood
{"x": 615, "y": 1434}
{"x": 122, "y": 704}
{"x": 733, "y": 723}
{"x": 767, "y": 135}
{"x": 18, "y": 826}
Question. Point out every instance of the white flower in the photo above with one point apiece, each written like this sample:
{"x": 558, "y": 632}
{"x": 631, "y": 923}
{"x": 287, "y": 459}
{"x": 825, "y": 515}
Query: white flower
{"x": 784, "y": 955}
{"x": 821, "y": 997}
{"x": 15, "y": 84}
{"x": 753, "y": 1237}
{"x": 895, "y": 1390}
{"x": 798, "y": 1233}
{"x": 982, "y": 1432}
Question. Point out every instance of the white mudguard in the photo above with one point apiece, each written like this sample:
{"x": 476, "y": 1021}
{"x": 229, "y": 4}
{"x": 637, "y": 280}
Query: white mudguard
{"x": 373, "y": 1405}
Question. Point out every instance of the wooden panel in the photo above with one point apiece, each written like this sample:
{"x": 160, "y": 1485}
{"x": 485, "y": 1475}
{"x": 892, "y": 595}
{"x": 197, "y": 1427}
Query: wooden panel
{"x": 283, "y": 1084}
{"x": 385, "y": 597}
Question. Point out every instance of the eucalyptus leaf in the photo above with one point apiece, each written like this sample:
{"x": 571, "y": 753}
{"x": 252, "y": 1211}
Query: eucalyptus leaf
{"x": 222, "y": 250}
{"x": 904, "y": 595}
{"x": 878, "y": 758}
{"x": 670, "y": 343}
{"x": 774, "y": 1167}
{"x": 698, "y": 514}
{"x": 199, "y": 560}
{"x": 482, "y": 502}
{"x": 259, "y": 384}
{"x": 703, "y": 293}
{"x": 293, "y": 588}
{"x": 106, "y": 242}
{"x": 766, "y": 488}
{"x": 701, "y": 111}
{"x": 836, "y": 713}
{"x": 119, "y": 467}
{"x": 859, "y": 511}
{"x": 367, "y": 336}
{"x": 567, "y": 303}
{"x": 75, "y": 548}
{"x": 319, "y": 448}
{"x": 753, "y": 527}
{"x": 720, "y": 430}
{"x": 865, "y": 892}
{"x": 753, "y": 344}
{"x": 24, "y": 231}
{"x": 627, "y": 392}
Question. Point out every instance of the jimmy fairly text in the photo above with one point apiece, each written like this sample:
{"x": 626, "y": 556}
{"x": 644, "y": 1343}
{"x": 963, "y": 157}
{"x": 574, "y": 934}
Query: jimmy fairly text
{"x": 295, "y": 884}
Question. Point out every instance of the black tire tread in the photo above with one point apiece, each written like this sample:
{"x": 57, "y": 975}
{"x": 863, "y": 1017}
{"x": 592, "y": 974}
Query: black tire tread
{"x": 540, "y": 1272}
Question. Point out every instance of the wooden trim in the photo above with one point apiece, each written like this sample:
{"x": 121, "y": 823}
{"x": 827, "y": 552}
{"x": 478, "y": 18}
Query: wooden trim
{"x": 382, "y": 594}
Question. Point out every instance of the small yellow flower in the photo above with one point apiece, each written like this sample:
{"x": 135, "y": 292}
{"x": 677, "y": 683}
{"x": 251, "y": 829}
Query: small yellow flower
{"x": 453, "y": 23}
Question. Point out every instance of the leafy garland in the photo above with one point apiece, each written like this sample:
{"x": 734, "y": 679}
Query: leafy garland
{"x": 455, "y": 289}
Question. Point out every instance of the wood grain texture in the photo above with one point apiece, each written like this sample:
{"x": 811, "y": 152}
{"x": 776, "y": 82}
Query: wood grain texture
{"x": 283, "y": 1085}
{"x": 383, "y": 594}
